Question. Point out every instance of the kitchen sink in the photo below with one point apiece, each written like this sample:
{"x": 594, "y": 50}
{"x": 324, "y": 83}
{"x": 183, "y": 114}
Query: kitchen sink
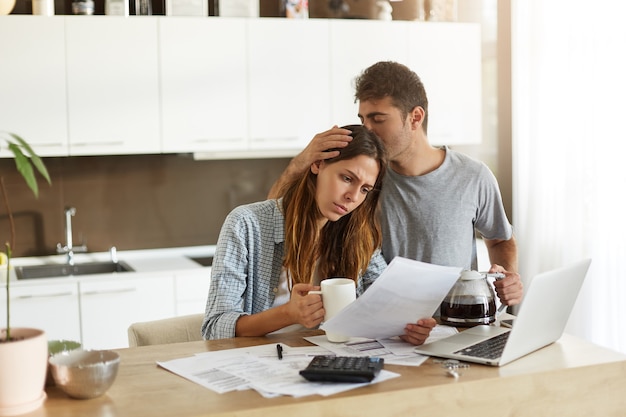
{"x": 64, "y": 270}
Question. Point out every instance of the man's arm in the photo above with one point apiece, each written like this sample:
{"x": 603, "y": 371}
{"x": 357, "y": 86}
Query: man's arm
{"x": 316, "y": 150}
{"x": 503, "y": 252}
{"x": 503, "y": 258}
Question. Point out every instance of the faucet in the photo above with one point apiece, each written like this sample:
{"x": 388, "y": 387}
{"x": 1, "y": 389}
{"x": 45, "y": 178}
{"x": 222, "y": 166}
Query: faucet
{"x": 69, "y": 247}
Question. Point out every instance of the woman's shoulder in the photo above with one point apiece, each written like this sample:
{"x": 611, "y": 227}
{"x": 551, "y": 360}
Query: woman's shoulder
{"x": 263, "y": 218}
{"x": 254, "y": 210}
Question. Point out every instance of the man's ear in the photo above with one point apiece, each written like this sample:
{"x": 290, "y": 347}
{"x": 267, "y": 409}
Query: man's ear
{"x": 315, "y": 167}
{"x": 416, "y": 117}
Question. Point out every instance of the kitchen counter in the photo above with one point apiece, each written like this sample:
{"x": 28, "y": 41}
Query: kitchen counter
{"x": 96, "y": 309}
{"x": 157, "y": 260}
{"x": 141, "y": 260}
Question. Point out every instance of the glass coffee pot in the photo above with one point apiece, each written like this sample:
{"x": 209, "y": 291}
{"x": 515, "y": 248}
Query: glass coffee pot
{"x": 471, "y": 301}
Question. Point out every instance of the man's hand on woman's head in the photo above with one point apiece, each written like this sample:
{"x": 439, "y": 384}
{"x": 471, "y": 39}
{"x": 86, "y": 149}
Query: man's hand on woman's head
{"x": 317, "y": 149}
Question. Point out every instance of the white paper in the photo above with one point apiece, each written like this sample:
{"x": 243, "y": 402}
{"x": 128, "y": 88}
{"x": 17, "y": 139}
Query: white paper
{"x": 393, "y": 350}
{"x": 369, "y": 347}
{"x": 259, "y": 368}
{"x": 405, "y": 292}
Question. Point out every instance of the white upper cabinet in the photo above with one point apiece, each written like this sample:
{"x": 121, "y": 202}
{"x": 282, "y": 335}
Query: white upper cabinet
{"x": 447, "y": 57}
{"x": 354, "y": 46}
{"x": 113, "y": 85}
{"x": 32, "y": 82}
{"x": 220, "y": 87}
{"x": 289, "y": 88}
{"x": 203, "y": 84}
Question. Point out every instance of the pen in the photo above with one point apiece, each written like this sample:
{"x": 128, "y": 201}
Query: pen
{"x": 279, "y": 351}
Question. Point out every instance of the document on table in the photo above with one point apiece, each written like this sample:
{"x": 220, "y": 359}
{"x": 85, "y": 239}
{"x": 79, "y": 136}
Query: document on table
{"x": 393, "y": 350}
{"x": 259, "y": 368}
{"x": 406, "y": 291}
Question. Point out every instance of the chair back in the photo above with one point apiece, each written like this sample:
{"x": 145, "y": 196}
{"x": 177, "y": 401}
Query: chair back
{"x": 170, "y": 330}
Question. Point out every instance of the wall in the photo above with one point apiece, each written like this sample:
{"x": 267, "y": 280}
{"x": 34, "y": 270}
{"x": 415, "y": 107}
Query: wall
{"x": 495, "y": 149}
{"x": 132, "y": 202}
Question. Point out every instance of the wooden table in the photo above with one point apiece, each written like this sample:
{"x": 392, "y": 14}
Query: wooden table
{"x": 568, "y": 378}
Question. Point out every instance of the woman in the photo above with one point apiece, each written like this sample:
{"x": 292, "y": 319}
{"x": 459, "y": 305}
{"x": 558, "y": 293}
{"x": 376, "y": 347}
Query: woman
{"x": 270, "y": 254}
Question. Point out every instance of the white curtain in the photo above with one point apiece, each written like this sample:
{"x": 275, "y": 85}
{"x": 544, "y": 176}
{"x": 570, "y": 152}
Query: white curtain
{"x": 569, "y": 159}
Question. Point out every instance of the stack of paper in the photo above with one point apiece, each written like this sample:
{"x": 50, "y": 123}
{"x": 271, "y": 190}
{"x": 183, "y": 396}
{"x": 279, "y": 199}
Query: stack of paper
{"x": 260, "y": 369}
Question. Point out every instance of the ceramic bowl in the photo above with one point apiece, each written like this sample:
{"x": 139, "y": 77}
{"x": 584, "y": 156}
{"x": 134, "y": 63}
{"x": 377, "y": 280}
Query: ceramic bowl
{"x": 84, "y": 373}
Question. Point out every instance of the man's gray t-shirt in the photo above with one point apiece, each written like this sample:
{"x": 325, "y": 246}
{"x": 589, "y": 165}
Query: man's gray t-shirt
{"x": 433, "y": 217}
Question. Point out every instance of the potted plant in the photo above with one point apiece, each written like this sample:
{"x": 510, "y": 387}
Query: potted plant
{"x": 23, "y": 351}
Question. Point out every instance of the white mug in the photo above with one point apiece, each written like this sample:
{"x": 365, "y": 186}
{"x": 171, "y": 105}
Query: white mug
{"x": 336, "y": 294}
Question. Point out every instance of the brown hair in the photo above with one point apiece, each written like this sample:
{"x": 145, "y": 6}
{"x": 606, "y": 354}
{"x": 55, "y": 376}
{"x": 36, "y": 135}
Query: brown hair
{"x": 344, "y": 247}
{"x": 391, "y": 79}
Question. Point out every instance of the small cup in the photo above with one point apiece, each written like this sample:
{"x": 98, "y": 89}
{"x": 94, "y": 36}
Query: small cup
{"x": 336, "y": 294}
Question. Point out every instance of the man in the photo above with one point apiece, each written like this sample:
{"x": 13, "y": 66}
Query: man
{"x": 433, "y": 200}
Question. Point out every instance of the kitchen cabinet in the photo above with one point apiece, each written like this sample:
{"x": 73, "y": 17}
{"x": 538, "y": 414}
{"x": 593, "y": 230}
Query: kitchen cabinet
{"x": 355, "y": 45}
{"x": 289, "y": 82}
{"x": 98, "y": 309}
{"x": 447, "y": 57}
{"x": 32, "y": 82}
{"x": 108, "y": 306}
{"x": 204, "y": 84}
{"x": 50, "y": 306}
{"x": 112, "y": 85}
{"x": 219, "y": 87}
{"x": 192, "y": 289}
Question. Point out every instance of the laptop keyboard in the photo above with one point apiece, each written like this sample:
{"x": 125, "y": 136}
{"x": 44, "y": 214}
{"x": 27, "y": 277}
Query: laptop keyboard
{"x": 488, "y": 349}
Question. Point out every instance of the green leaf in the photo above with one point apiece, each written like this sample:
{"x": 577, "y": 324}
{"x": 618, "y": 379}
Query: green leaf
{"x": 38, "y": 163}
{"x": 25, "y": 168}
{"x": 35, "y": 159}
{"x": 22, "y": 143}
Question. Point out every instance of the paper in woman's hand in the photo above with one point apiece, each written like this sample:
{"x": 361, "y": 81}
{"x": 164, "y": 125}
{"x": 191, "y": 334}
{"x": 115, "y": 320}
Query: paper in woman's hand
{"x": 405, "y": 292}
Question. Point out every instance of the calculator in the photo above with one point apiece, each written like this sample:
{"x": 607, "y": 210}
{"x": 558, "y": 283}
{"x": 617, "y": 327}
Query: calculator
{"x": 342, "y": 368}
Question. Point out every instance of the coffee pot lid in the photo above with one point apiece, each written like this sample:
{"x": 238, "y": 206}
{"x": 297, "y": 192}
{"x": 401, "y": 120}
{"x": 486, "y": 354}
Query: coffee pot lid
{"x": 471, "y": 275}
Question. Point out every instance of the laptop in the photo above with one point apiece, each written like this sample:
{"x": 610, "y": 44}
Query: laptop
{"x": 540, "y": 321}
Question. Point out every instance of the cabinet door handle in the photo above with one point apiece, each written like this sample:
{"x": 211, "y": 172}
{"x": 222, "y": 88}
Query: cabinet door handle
{"x": 48, "y": 145}
{"x": 117, "y": 291}
{"x": 85, "y": 144}
{"x": 52, "y": 295}
{"x": 223, "y": 140}
{"x": 283, "y": 140}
